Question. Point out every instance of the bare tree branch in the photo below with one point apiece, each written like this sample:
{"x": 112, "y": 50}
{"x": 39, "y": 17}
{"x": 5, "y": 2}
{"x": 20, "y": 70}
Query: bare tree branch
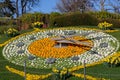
{"x": 74, "y": 5}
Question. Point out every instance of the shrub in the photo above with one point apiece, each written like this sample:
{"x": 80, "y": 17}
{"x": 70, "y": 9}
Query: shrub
{"x": 2, "y": 29}
{"x": 108, "y": 17}
{"x": 105, "y": 25}
{"x": 6, "y": 21}
{"x": 105, "y": 15}
{"x": 75, "y": 19}
{"x": 30, "y": 18}
{"x": 115, "y": 22}
{"x": 11, "y": 32}
{"x": 53, "y": 15}
{"x": 37, "y": 24}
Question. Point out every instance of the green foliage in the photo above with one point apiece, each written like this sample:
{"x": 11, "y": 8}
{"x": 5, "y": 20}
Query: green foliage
{"x": 11, "y": 32}
{"x": 2, "y": 29}
{"x": 34, "y": 17}
{"x": 75, "y": 19}
{"x": 5, "y": 28}
{"x": 105, "y": 15}
{"x": 108, "y": 17}
{"x": 53, "y": 15}
{"x": 29, "y": 17}
{"x": 5, "y": 21}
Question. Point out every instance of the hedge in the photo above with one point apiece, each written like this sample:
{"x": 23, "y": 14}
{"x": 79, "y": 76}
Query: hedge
{"x": 75, "y": 19}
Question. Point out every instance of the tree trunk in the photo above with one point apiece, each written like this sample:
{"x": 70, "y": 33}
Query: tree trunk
{"x": 17, "y": 10}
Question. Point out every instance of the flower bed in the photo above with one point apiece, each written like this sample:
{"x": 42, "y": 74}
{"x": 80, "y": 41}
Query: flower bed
{"x": 46, "y": 48}
{"x": 17, "y": 50}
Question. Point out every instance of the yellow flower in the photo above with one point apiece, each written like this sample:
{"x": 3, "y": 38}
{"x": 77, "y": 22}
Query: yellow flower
{"x": 113, "y": 59}
{"x": 37, "y": 24}
{"x": 55, "y": 70}
{"x": 29, "y": 76}
{"x": 104, "y": 25}
{"x": 87, "y": 77}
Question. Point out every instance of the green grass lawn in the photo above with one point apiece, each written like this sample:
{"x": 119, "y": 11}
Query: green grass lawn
{"x": 100, "y": 71}
{"x": 3, "y": 38}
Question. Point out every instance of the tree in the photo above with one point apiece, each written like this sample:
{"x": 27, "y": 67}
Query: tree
{"x": 17, "y": 7}
{"x": 100, "y": 4}
{"x": 22, "y": 6}
{"x": 107, "y": 5}
{"x": 74, "y": 5}
{"x": 114, "y": 6}
{"x": 7, "y": 8}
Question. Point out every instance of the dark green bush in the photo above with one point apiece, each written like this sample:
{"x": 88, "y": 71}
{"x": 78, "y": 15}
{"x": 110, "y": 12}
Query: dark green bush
{"x": 75, "y": 19}
{"x": 2, "y": 29}
{"x": 52, "y": 17}
{"x": 108, "y": 17}
{"x": 105, "y": 15}
{"x": 5, "y": 28}
{"x": 5, "y": 21}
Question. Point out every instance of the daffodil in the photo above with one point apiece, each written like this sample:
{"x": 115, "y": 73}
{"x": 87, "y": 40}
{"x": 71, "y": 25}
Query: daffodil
{"x": 37, "y": 24}
{"x": 104, "y": 25}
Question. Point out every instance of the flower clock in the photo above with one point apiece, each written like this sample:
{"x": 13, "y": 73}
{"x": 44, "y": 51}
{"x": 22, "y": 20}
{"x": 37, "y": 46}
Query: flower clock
{"x": 60, "y": 48}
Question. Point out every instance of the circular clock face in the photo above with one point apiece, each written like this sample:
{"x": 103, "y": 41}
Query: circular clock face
{"x": 60, "y": 48}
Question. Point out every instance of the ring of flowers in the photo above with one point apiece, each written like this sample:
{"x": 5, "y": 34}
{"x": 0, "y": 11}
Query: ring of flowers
{"x": 17, "y": 50}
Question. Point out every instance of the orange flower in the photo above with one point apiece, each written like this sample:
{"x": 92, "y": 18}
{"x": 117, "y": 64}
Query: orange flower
{"x": 45, "y": 48}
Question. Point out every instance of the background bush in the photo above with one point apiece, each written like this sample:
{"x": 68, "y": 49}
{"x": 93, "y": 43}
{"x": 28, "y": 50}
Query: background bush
{"x": 7, "y": 22}
{"x": 30, "y": 18}
{"x": 108, "y": 17}
{"x": 75, "y": 19}
{"x": 72, "y": 19}
{"x": 52, "y": 17}
{"x": 2, "y": 29}
{"x": 5, "y": 28}
{"x": 105, "y": 15}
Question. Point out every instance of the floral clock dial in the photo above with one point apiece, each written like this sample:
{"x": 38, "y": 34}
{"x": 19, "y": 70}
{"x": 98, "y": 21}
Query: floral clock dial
{"x": 40, "y": 51}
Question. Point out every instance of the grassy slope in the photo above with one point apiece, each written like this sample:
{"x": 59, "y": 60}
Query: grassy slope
{"x": 117, "y": 35}
{"x": 97, "y": 71}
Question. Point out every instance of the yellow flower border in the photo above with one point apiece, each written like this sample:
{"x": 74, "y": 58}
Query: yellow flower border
{"x": 28, "y": 76}
{"x": 87, "y": 77}
{"x": 40, "y": 77}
